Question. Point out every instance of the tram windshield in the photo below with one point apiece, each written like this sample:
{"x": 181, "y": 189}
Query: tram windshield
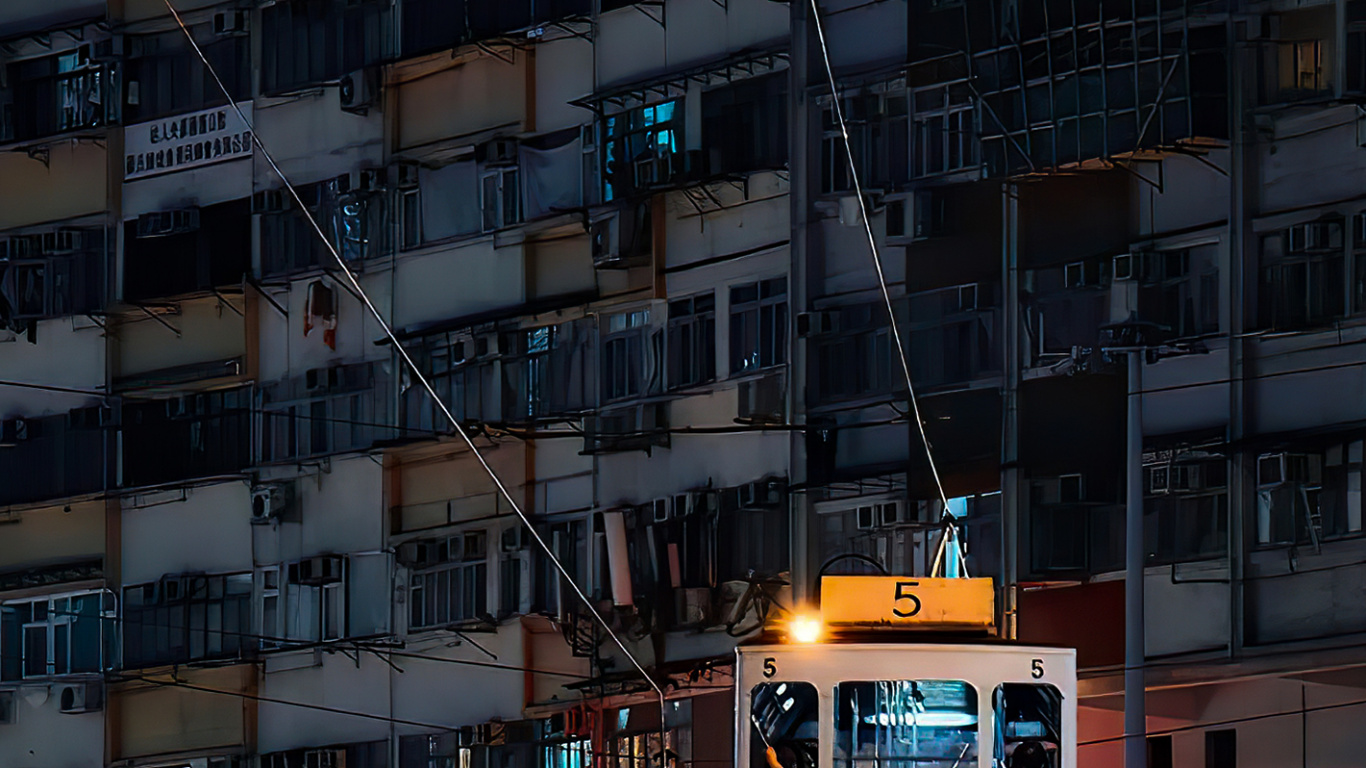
{"x": 1028, "y": 725}
{"x": 905, "y": 724}
{"x": 786, "y": 718}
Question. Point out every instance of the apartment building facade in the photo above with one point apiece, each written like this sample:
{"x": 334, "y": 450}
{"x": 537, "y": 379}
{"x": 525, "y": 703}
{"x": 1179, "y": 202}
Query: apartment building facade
{"x": 622, "y": 242}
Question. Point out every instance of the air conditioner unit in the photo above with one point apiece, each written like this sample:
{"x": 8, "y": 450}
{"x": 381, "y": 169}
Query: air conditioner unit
{"x": 369, "y": 180}
{"x": 501, "y": 152}
{"x": 163, "y": 223}
{"x": 14, "y": 431}
{"x": 761, "y": 494}
{"x": 322, "y": 379}
{"x": 865, "y": 517}
{"x": 269, "y": 201}
{"x": 967, "y": 297}
{"x": 515, "y": 539}
{"x": 227, "y": 23}
{"x": 324, "y": 569}
{"x": 1159, "y": 479}
{"x": 762, "y": 400}
{"x": 818, "y": 323}
{"x": 1071, "y": 489}
{"x": 169, "y": 590}
{"x": 357, "y": 92}
{"x": 705, "y": 502}
{"x": 693, "y": 606}
{"x": 605, "y": 236}
{"x": 660, "y": 511}
{"x": 891, "y": 513}
{"x": 81, "y": 698}
{"x": 405, "y": 175}
{"x": 1078, "y": 274}
{"x": 1131, "y": 266}
{"x": 270, "y": 502}
{"x": 325, "y": 758}
{"x": 63, "y": 242}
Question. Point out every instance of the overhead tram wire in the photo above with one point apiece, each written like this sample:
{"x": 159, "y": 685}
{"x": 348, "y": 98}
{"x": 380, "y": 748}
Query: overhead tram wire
{"x": 358, "y": 290}
{"x": 877, "y": 258}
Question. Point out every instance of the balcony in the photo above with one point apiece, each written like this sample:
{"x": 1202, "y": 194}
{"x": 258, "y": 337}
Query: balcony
{"x": 53, "y": 273}
{"x": 58, "y": 94}
{"x": 54, "y": 457}
{"x": 186, "y": 251}
{"x": 194, "y": 436}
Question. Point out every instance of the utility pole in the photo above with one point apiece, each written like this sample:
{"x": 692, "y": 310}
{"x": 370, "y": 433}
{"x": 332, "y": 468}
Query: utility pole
{"x": 1135, "y": 714}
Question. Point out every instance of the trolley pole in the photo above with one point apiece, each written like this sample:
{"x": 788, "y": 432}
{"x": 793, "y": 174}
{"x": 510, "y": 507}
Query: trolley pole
{"x": 1135, "y": 716}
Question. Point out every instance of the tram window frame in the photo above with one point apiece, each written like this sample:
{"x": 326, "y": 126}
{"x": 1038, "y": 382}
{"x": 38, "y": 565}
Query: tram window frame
{"x": 793, "y": 745}
{"x": 1001, "y": 739}
{"x": 970, "y": 758}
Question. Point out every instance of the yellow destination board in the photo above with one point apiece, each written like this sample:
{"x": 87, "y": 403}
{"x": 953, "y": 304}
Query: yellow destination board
{"x": 911, "y": 603}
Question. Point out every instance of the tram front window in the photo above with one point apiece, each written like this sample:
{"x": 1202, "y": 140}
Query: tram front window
{"x": 784, "y": 717}
{"x": 906, "y": 724}
{"x": 1028, "y": 725}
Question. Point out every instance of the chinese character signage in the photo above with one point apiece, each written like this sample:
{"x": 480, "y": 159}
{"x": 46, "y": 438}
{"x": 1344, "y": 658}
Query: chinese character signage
{"x": 186, "y": 141}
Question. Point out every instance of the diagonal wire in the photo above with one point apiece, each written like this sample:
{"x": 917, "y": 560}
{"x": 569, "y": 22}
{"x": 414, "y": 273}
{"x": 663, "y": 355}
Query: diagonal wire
{"x": 872, "y": 245}
{"x": 354, "y": 286}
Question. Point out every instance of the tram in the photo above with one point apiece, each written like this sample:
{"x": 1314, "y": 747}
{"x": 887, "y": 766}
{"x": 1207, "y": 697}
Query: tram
{"x": 903, "y": 673}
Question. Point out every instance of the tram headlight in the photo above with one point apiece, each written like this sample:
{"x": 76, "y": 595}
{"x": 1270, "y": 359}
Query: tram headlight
{"x": 805, "y": 629}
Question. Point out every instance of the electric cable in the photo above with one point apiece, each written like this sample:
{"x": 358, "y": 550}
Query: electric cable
{"x": 417, "y": 371}
{"x": 835, "y": 98}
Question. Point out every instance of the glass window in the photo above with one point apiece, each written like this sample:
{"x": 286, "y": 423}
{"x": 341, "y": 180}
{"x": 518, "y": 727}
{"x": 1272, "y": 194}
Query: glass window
{"x": 758, "y": 325}
{"x": 1028, "y": 730}
{"x": 905, "y": 724}
{"x": 784, "y": 717}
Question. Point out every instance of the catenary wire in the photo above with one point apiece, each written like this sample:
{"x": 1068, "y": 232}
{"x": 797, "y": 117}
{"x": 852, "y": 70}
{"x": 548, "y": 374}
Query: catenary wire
{"x": 417, "y": 371}
{"x": 872, "y": 245}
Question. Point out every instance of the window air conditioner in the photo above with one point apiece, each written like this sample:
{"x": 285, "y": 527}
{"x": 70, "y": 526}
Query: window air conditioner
{"x": 761, "y": 494}
{"x": 227, "y": 23}
{"x": 1071, "y": 489}
{"x": 325, "y": 758}
{"x": 81, "y": 698}
{"x": 405, "y": 175}
{"x": 515, "y": 539}
{"x": 967, "y": 297}
{"x": 501, "y": 152}
{"x": 659, "y": 511}
{"x": 324, "y": 569}
{"x": 1270, "y": 470}
{"x": 357, "y": 91}
{"x": 1159, "y": 479}
{"x": 269, "y": 201}
{"x": 865, "y": 518}
{"x": 163, "y": 223}
{"x": 14, "y": 431}
{"x": 270, "y": 502}
{"x": 169, "y": 590}
{"x": 369, "y": 180}
{"x": 818, "y": 323}
{"x": 762, "y": 400}
{"x": 1186, "y": 477}
{"x": 63, "y": 242}
{"x": 605, "y": 235}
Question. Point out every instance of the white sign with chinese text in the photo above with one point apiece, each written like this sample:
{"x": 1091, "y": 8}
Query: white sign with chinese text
{"x": 186, "y": 141}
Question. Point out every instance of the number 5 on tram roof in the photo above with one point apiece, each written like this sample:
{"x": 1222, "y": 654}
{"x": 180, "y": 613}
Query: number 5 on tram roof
{"x": 874, "y": 683}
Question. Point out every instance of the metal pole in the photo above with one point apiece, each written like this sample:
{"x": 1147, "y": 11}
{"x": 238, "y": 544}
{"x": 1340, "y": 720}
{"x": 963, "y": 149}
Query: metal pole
{"x": 1135, "y": 728}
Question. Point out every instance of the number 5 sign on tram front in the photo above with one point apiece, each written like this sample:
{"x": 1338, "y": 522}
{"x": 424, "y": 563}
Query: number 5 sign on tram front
{"x": 853, "y": 601}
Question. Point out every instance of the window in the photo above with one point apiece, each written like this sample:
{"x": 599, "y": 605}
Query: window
{"x": 178, "y": 619}
{"x": 877, "y": 125}
{"x": 548, "y": 370}
{"x": 749, "y": 539}
{"x": 306, "y": 44}
{"x": 55, "y": 635}
{"x": 1301, "y": 67}
{"x": 758, "y": 325}
{"x": 871, "y": 720}
{"x": 642, "y": 148}
{"x": 328, "y": 410}
{"x": 944, "y": 133}
{"x": 461, "y": 368}
{"x": 856, "y": 359}
{"x": 1186, "y": 509}
{"x": 303, "y": 601}
{"x": 1160, "y": 752}
{"x": 52, "y": 274}
{"x": 352, "y": 220}
{"x": 451, "y": 583}
{"x": 199, "y": 435}
{"x": 744, "y": 125}
{"x": 1180, "y": 290}
{"x": 692, "y": 341}
{"x": 952, "y": 335}
{"x": 1301, "y": 281}
{"x": 628, "y": 368}
{"x": 1028, "y": 725}
{"x": 1306, "y": 497}
{"x": 1221, "y": 748}
{"x": 165, "y": 76}
{"x": 786, "y": 716}
{"x": 568, "y": 539}
{"x": 55, "y": 94}
{"x": 872, "y": 527}
{"x": 500, "y": 198}
{"x": 410, "y": 222}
